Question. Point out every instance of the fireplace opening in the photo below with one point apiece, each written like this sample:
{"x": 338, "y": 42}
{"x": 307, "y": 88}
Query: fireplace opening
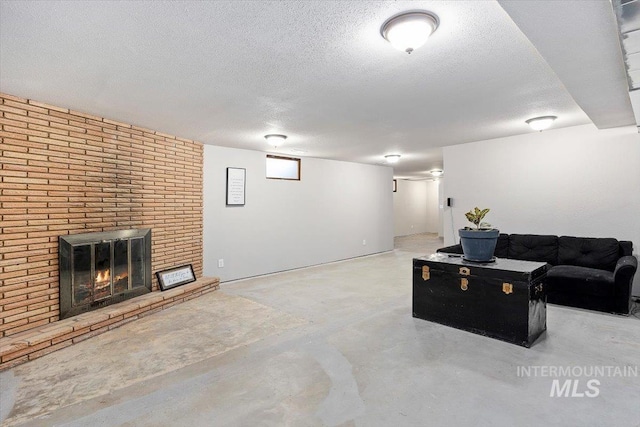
{"x": 98, "y": 269}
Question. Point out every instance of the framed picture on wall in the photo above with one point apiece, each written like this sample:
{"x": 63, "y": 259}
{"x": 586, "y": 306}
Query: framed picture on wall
{"x": 236, "y": 185}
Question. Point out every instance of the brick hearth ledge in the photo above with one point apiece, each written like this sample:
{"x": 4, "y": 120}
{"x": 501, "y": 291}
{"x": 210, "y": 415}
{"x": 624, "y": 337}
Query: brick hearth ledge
{"x": 34, "y": 343}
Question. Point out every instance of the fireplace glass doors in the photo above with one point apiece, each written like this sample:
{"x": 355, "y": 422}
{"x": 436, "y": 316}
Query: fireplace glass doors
{"x": 98, "y": 269}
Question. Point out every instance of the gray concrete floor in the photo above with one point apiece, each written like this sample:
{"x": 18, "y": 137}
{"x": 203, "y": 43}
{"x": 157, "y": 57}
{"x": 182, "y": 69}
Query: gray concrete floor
{"x": 332, "y": 345}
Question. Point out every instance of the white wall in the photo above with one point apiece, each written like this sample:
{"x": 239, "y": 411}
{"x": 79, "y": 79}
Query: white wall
{"x": 415, "y": 207}
{"x": 433, "y": 211}
{"x": 410, "y": 207}
{"x": 442, "y": 201}
{"x": 291, "y": 224}
{"x": 577, "y": 181}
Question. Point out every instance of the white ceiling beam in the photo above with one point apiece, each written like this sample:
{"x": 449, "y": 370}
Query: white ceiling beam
{"x": 579, "y": 41}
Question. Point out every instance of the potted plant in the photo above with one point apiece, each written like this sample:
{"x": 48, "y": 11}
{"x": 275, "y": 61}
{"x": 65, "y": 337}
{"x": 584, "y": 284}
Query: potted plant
{"x": 479, "y": 242}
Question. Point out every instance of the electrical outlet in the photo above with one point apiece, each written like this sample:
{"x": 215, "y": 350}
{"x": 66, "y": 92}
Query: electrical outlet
{"x": 220, "y": 263}
{"x": 364, "y": 242}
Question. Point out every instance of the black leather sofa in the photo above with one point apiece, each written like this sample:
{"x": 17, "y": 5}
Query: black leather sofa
{"x": 591, "y": 273}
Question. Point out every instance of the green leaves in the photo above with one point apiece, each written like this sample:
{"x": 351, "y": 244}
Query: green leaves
{"x": 476, "y": 215}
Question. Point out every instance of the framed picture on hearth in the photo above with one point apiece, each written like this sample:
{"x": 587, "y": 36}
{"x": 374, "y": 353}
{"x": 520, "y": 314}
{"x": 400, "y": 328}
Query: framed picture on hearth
{"x": 175, "y": 276}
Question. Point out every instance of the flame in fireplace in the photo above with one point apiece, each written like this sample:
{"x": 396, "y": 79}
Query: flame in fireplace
{"x": 102, "y": 276}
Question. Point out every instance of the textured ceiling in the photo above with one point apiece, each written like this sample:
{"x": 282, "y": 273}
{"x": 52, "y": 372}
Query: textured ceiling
{"x": 227, "y": 73}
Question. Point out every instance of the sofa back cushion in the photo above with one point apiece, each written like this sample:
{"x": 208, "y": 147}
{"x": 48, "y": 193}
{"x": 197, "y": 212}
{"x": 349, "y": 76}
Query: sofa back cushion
{"x": 626, "y": 247}
{"x": 502, "y": 246}
{"x": 533, "y": 247}
{"x": 600, "y": 253}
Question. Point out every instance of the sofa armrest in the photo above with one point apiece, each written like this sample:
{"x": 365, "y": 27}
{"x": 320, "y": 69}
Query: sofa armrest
{"x": 623, "y": 277}
{"x": 454, "y": 249}
{"x": 625, "y": 269}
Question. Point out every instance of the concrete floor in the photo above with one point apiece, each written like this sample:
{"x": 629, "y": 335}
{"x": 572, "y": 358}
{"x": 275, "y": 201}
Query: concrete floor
{"x": 332, "y": 345}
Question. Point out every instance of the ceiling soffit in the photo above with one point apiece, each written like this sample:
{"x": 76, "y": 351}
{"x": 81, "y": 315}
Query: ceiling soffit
{"x": 579, "y": 41}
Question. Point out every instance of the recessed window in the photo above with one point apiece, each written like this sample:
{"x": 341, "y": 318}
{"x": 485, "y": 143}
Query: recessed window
{"x": 279, "y": 167}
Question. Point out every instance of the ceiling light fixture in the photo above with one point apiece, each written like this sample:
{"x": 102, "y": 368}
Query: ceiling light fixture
{"x": 436, "y": 172}
{"x": 408, "y": 31}
{"x": 541, "y": 123}
{"x": 275, "y": 139}
{"x": 392, "y": 158}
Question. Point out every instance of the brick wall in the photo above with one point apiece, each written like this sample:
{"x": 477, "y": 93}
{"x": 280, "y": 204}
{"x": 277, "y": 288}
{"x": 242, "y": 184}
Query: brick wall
{"x": 66, "y": 172}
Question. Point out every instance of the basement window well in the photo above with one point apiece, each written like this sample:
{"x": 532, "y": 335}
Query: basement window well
{"x": 279, "y": 167}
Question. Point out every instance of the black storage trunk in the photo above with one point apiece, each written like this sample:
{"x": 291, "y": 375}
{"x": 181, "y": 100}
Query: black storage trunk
{"x": 505, "y": 299}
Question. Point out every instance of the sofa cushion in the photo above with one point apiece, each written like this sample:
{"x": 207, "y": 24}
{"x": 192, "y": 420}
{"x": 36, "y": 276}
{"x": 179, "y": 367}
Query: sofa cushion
{"x": 502, "y": 246}
{"x": 580, "y": 280}
{"x": 453, "y": 249}
{"x": 626, "y": 248}
{"x": 533, "y": 247}
{"x": 601, "y": 253}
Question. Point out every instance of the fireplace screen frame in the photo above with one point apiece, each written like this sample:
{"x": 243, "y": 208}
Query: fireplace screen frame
{"x": 67, "y": 246}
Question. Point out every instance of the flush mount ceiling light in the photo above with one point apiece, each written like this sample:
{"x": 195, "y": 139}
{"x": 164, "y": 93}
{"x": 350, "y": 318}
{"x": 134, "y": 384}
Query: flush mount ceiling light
{"x": 275, "y": 139}
{"x": 541, "y": 123}
{"x": 392, "y": 158}
{"x": 408, "y": 31}
{"x": 436, "y": 172}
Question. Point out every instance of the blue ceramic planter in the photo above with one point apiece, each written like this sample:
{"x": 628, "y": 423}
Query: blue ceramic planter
{"x": 478, "y": 245}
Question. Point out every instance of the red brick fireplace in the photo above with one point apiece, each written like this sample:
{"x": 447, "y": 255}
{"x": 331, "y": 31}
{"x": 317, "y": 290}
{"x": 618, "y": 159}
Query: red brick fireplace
{"x": 66, "y": 172}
